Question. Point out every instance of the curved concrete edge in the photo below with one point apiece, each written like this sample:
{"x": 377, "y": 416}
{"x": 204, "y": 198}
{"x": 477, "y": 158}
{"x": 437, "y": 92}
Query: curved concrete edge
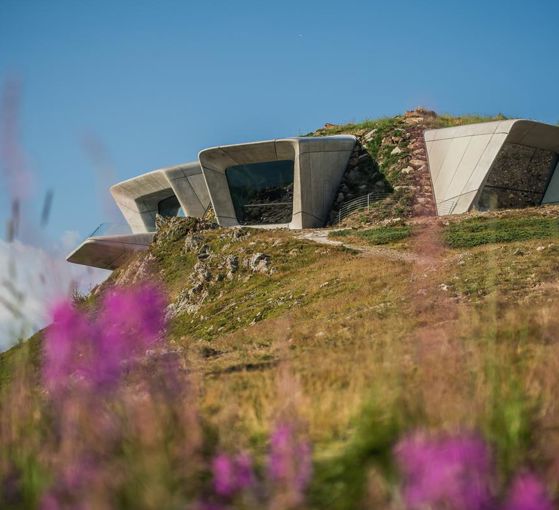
{"x": 461, "y": 158}
{"x": 318, "y": 167}
{"x": 138, "y": 198}
{"x": 109, "y": 252}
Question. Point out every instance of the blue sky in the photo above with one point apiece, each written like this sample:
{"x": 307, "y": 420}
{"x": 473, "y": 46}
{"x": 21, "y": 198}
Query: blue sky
{"x": 150, "y": 83}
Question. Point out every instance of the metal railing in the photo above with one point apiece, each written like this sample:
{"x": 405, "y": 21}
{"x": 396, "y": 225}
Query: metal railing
{"x": 111, "y": 229}
{"x": 359, "y": 203}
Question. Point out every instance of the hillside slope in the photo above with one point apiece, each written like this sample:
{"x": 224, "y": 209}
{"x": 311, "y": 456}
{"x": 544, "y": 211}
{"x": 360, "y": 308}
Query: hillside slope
{"x": 399, "y": 322}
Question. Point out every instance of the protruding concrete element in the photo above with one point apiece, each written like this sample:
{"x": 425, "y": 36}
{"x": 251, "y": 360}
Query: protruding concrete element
{"x": 142, "y": 197}
{"x": 109, "y": 252}
{"x": 311, "y": 170}
{"x": 493, "y": 165}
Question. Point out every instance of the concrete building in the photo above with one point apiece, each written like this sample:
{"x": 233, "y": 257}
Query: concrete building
{"x": 292, "y": 182}
{"x": 288, "y": 182}
{"x": 175, "y": 191}
{"x": 493, "y": 165}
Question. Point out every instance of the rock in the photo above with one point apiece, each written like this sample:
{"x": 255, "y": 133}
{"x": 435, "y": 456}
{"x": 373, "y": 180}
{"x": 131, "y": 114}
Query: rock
{"x": 204, "y": 252}
{"x": 417, "y": 163}
{"x": 259, "y": 263}
{"x": 193, "y": 243}
{"x": 259, "y": 316}
{"x": 171, "y": 228}
{"x": 137, "y": 271}
{"x": 188, "y": 301}
{"x": 518, "y": 252}
{"x": 420, "y": 112}
{"x": 232, "y": 265}
{"x": 407, "y": 170}
{"x": 238, "y": 233}
{"x": 353, "y": 177}
{"x": 396, "y": 151}
{"x": 367, "y": 137}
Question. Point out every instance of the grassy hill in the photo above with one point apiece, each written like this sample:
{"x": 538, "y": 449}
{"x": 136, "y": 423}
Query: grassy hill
{"x": 438, "y": 324}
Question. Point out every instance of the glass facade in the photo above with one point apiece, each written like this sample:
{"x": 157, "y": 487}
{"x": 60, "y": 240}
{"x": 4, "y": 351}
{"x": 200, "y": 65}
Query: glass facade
{"x": 262, "y": 193}
{"x": 170, "y": 207}
{"x": 519, "y": 177}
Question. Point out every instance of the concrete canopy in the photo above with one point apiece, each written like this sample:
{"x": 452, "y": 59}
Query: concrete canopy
{"x": 109, "y": 252}
{"x": 318, "y": 167}
{"x": 510, "y": 163}
{"x": 138, "y": 198}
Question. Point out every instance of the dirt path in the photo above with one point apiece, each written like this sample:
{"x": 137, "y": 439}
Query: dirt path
{"x": 321, "y": 237}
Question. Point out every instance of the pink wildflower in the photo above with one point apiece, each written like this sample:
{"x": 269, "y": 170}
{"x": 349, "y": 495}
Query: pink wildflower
{"x": 232, "y": 474}
{"x": 528, "y": 493}
{"x": 95, "y": 352}
{"x": 290, "y": 461}
{"x": 452, "y": 472}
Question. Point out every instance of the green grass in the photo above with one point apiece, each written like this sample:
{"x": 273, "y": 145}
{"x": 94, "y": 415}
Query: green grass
{"x": 483, "y": 230}
{"x": 379, "y": 235}
{"x": 447, "y": 120}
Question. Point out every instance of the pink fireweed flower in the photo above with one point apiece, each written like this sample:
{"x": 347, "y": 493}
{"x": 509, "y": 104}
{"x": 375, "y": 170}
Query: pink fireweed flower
{"x": 450, "y": 473}
{"x": 528, "y": 493}
{"x": 289, "y": 461}
{"x": 232, "y": 474}
{"x": 130, "y": 321}
{"x": 66, "y": 346}
{"x": 94, "y": 352}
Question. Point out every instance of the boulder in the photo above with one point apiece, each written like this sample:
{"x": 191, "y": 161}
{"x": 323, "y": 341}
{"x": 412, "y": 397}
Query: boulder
{"x": 259, "y": 263}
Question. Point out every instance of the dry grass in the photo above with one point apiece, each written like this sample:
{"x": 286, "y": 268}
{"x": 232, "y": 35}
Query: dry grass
{"x": 459, "y": 340}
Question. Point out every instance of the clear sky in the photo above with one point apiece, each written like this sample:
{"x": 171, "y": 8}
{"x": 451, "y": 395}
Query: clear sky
{"x": 111, "y": 89}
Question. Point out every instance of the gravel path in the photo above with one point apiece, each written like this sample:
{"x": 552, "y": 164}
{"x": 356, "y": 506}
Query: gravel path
{"x": 321, "y": 237}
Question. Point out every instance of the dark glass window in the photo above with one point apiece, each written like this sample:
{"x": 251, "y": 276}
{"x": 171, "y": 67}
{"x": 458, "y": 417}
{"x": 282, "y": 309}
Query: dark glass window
{"x": 519, "y": 178}
{"x": 170, "y": 207}
{"x": 262, "y": 193}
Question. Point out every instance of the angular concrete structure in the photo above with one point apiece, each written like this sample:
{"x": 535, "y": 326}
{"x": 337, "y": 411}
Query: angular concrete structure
{"x": 109, "y": 252}
{"x": 292, "y": 182}
{"x": 289, "y": 182}
{"x": 165, "y": 191}
{"x": 174, "y": 191}
{"x": 504, "y": 164}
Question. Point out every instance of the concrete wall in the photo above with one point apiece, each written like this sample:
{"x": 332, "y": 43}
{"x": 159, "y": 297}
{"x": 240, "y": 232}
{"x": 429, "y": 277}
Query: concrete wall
{"x": 138, "y": 198}
{"x": 319, "y": 165}
{"x": 552, "y": 193}
{"x": 461, "y": 158}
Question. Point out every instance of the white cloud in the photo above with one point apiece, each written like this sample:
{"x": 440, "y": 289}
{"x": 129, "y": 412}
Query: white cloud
{"x": 32, "y": 280}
